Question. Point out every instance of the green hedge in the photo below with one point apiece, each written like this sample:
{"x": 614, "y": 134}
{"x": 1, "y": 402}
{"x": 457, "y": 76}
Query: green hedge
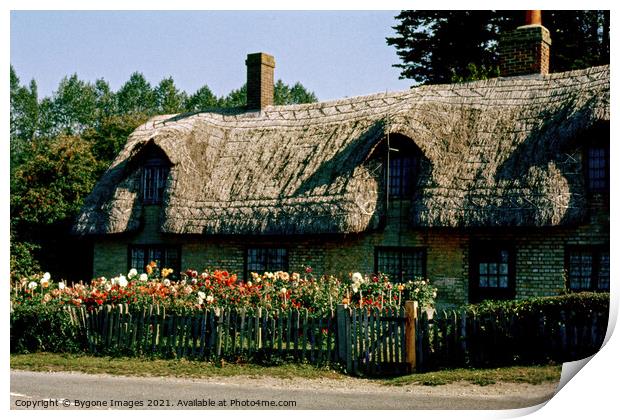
{"x": 44, "y": 328}
{"x": 578, "y": 302}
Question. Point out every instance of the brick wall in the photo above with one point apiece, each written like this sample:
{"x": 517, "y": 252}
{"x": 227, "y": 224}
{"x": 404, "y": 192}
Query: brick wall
{"x": 525, "y": 51}
{"x": 539, "y": 252}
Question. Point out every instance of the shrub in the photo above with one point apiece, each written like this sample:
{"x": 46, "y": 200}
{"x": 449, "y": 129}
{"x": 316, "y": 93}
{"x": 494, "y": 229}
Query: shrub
{"x": 40, "y": 327}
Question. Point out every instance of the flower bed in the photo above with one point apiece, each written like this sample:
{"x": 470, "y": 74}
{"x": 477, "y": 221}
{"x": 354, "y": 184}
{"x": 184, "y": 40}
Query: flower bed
{"x": 196, "y": 291}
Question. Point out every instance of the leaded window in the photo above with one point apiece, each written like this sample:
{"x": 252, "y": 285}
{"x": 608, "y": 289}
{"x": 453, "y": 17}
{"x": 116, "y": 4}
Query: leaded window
{"x": 153, "y": 182}
{"x": 264, "y": 259}
{"x": 165, "y": 257}
{"x": 401, "y": 175}
{"x": 588, "y": 268}
{"x": 598, "y": 169}
{"x": 401, "y": 264}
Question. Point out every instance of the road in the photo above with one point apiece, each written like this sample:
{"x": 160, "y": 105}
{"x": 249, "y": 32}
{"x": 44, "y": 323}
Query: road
{"x": 80, "y": 391}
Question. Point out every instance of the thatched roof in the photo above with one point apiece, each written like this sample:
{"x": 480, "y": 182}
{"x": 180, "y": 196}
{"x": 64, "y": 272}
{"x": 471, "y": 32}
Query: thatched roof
{"x": 499, "y": 154}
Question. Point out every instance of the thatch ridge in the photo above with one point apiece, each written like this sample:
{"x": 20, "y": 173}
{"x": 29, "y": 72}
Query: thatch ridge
{"x": 496, "y": 151}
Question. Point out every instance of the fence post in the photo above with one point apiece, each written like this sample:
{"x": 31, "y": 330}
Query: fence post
{"x": 344, "y": 337}
{"x": 411, "y": 313}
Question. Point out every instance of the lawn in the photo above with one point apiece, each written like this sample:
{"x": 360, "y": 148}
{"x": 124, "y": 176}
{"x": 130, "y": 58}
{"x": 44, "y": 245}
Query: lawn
{"x": 52, "y": 362}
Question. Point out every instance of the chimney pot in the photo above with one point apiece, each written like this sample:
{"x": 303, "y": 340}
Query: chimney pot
{"x": 260, "y": 69}
{"x": 532, "y": 17}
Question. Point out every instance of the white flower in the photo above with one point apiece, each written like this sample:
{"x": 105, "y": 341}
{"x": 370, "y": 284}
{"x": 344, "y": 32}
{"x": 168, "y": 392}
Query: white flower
{"x": 32, "y": 285}
{"x": 200, "y": 301}
{"x": 434, "y": 295}
{"x": 210, "y": 298}
{"x": 144, "y": 277}
{"x": 283, "y": 290}
{"x": 194, "y": 281}
{"x": 46, "y": 276}
{"x": 355, "y": 287}
{"x": 204, "y": 275}
{"x": 357, "y": 278}
{"x": 201, "y": 295}
{"x": 114, "y": 280}
{"x": 45, "y": 282}
{"x": 132, "y": 273}
{"x": 103, "y": 280}
{"x": 122, "y": 281}
{"x": 249, "y": 284}
{"x": 107, "y": 287}
{"x": 183, "y": 282}
{"x": 61, "y": 285}
{"x": 166, "y": 282}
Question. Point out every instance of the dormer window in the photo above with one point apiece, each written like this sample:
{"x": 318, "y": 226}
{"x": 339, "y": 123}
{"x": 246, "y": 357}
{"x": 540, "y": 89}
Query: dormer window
{"x": 597, "y": 162}
{"x": 154, "y": 174}
{"x": 595, "y": 158}
{"x": 402, "y": 162}
{"x": 401, "y": 175}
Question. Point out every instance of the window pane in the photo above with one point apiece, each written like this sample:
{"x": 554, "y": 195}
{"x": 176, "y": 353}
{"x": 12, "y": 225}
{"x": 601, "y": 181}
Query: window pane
{"x": 388, "y": 262}
{"x": 493, "y": 267}
{"x": 580, "y": 270}
{"x": 401, "y": 175}
{"x": 401, "y": 264}
{"x": 597, "y": 168}
{"x": 603, "y": 274}
{"x": 260, "y": 260}
{"x": 412, "y": 264}
{"x": 137, "y": 258}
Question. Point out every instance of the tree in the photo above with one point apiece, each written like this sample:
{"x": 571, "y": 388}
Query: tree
{"x": 449, "y": 46}
{"x": 136, "y": 96}
{"x": 168, "y": 99}
{"x": 237, "y": 98}
{"x": 202, "y": 99}
{"x": 287, "y": 95}
{"x": 283, "y": 94}
{"x": 74, "y": 106}
{"x": 24, "y": 116}
{"x": 106, "y": 105}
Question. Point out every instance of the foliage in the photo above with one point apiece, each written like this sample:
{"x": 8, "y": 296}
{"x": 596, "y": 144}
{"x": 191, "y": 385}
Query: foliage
{"x": 50, "y": 186}
{"x": 461, "y": 45}
{"x": 37, "y": 326}
{"x": 578, "y": 302}
{"x": 23, "y": 262}
{"x": 197, "y": 291}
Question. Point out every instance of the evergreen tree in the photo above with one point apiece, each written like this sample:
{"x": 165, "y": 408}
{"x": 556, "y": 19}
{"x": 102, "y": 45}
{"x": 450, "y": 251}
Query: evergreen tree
{"x": 449, "y": 46}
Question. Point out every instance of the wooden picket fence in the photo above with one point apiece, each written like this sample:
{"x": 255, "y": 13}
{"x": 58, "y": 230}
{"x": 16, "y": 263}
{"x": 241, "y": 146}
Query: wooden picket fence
{"x": 212, "y": 334}
{"x": 465, "y": 338}
{"x": 361, "y": 341}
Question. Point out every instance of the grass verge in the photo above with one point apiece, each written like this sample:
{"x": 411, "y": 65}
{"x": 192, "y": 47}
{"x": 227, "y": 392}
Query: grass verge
{"x": 134, "y": 366}
{"x": 515, "y": 374}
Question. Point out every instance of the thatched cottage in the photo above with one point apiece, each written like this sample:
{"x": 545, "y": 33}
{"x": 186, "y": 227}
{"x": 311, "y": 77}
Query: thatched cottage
{"x": 490, "y": 189}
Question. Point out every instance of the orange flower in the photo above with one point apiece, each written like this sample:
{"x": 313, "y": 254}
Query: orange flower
{"x": 345, "y": 301}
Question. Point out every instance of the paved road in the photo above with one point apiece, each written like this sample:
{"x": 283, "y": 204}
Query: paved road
{"x": 74, "y": 390}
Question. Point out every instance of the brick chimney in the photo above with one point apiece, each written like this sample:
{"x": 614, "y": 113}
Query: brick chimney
{"x": 526, "y": 49}
{"x": 260, "y": 80}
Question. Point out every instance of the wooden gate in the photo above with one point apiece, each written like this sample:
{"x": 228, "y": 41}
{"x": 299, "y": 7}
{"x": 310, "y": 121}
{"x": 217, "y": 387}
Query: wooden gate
{"x": 375, "y": 341}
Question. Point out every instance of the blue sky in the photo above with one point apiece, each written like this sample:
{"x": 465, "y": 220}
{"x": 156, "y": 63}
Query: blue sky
{"x": 333, "y": 53}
